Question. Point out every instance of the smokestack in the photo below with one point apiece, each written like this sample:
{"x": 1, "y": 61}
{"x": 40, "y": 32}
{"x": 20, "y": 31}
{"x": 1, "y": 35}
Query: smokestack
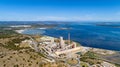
{"x": 62, "y": 42}
{"x": 69, "y": 38}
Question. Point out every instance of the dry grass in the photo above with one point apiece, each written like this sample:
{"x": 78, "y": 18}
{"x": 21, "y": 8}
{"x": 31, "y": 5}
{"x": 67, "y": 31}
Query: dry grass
{"x": 24, "y": 57}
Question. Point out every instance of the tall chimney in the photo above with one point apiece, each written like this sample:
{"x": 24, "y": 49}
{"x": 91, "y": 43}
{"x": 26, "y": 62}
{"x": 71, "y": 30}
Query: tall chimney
{"x": 62, "y": 42}
{"x": 69, "y": 38}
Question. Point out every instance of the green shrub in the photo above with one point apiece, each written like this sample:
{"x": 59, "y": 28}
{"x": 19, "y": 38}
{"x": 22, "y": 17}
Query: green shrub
{"x": 16, "y": 65}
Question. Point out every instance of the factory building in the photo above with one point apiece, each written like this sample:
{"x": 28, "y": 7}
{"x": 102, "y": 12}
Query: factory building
{"x": 52, "y": 47}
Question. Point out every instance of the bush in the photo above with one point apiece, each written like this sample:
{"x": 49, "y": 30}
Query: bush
{"x": 7, "y": 33}
{"x": 91, "y": 58}
{"x": 29, "y": 64}
{"x": 4, "y": 65}
{"x": 10, "y": 56}
{"x": 16, "y": 65}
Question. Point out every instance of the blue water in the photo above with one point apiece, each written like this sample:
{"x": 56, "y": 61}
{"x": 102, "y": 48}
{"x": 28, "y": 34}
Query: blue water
{"x": 87, "y": 34}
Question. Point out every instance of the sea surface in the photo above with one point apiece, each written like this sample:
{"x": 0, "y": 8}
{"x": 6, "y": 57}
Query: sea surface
{"x": 87, "y": 34}
{"x": 105, "y": 35}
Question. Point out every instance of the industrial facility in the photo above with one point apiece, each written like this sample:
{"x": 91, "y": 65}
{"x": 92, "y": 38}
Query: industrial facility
{"x": 53, "y": 48}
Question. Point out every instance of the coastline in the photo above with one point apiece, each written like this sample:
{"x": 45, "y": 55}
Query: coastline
{"x": 20, "y": 31}
{"x": 91, "y": 38}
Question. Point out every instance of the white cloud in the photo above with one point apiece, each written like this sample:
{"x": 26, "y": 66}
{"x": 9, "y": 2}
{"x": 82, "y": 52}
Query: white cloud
{"x": 83, "y": 18}
{"x": 73, "y": 18}
{"x": 52, "y": 18}
{"x": 87, "y": 17}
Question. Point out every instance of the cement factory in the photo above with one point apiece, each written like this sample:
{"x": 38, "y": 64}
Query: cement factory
{"x": 55, "y": 49}
{"x": 50, "y": 47}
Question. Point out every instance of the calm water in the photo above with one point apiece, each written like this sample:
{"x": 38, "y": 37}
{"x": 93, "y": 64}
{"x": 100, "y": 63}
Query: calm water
{"x": 88, "y": 34}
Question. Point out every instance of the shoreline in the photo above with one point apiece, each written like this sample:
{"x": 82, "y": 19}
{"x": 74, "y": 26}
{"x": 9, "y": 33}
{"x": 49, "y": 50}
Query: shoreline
{"x": 22, "y": 30}
{"x": 80, "y": 45}
{"x": 92, "y": 48}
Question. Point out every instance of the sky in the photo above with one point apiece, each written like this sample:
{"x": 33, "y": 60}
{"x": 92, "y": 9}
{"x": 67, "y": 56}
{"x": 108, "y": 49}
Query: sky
{"x": 59, "y": 10}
